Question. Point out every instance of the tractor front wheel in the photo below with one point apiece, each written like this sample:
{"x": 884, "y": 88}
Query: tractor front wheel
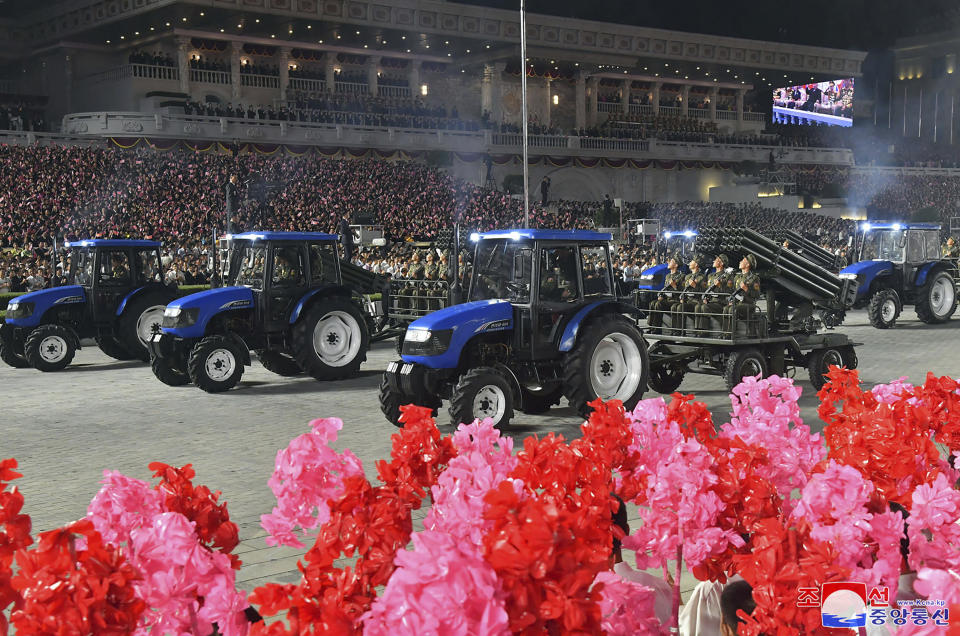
{"x": 50, "y": 347}
{"x": 215, "y": 364}
{"x": 482, "y": 393}
{"x": 166, "y": 373}
{"x": 884, "y": 309}
{"x": 9, "y": 352}
{"x": 282, "y": 364}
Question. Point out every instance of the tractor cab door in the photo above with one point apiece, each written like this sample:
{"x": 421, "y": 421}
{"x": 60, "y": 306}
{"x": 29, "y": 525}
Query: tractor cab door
{"x": 113, "y": 280}
{"x": 915, "y": 255}
{"x": 286, "y": 284}
{"x": 558, "y": 296}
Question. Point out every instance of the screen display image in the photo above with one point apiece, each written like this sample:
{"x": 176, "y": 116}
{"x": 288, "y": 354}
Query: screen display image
{"x": 826, "y": 103}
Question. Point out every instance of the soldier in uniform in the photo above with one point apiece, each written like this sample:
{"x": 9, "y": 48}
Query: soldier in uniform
{"x": 693, "y": 283}
{"x": 670, "y": 294}
{"x": 951, "y": 249}
{"x": 719, "y": 287}
{"x": 746, "y": 291}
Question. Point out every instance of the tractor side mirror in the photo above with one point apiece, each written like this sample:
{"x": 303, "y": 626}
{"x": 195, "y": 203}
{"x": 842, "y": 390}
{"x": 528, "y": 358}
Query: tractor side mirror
{"x": 521, "y": 265}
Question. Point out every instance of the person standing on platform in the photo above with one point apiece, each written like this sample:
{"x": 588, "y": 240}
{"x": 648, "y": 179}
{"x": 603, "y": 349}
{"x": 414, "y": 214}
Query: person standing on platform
{"x": 346, "y": 236}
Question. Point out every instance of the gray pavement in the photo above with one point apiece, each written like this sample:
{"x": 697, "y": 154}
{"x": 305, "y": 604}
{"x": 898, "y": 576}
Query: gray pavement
{"x": 66, "y": 428}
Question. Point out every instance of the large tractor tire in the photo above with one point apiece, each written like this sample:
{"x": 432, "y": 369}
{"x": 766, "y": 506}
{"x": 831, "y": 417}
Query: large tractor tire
{"x": 140, "y": 320}
{"x": 390, "y": 401}
{"x": 819, "y": 363}
{"x": 937, "y": 299}
{"x": 10, "y": 353}
{"x": 112, "y": 347}
{"x": 743, "y": 363}
{"x": 884, "y": 309}
{"x": 330, "y": 342}
{"x": 664, "y": 378}
{"x": 608, "y": 361}
{"x": 280, "y": 363}
{"x": 482, "y": 393}
{"x": 215, "y": 364}
{"x": 50, "y": 347}
{"x": 535, "y": 402}
{"x": 166, "y": 373}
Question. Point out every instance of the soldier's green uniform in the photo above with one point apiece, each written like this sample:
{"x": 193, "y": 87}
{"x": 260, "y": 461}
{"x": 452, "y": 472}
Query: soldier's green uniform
{"x": 693, "y": 282}
{"x": 742, "y": 307}
{"x": 950, "y": 251}
{"x": 670, "y": 295}
{"x": 719, "y": 288}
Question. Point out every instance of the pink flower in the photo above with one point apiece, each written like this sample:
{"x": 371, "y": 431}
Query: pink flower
{"x": 627, "y": 606}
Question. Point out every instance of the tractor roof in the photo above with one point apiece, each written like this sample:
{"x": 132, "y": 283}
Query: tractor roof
{"x": 283, "y": 236}
{"x": 113, "y": 243}
{"x": 891, "y": 225}
{"x": 543, "y": 235}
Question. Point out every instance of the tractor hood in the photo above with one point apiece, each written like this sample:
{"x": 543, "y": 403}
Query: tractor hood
{"x": 28, "y": 310}
{"x": 865, "y": 272}
{"x": 188, "y": 317}
{"x": 437, "y": 339}
{"x": 652, "y": 277}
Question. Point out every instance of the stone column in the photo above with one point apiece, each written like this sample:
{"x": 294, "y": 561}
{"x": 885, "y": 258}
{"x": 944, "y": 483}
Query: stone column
{"x": 67, "y": 79}
{"x": 284, "y": 72}
{"x": 714, "y": 96}
{"x": 330, "y": 61}
{"x": 496, "y": 116}
{"x": 548, "y": 100}
{"x": 235, "y": 49}
{"x": 594, "y": 94}
{"x": 740, "y": 93}
{"x": 372, "y": 63}
{"x": 581, "y": 97}
{"x": 183, "y": 62}
{"x": 685, "y": 105}
{"x": 625, "y": 98}
{"x": 656, "y": 98}
{"x": 413, "y": 79}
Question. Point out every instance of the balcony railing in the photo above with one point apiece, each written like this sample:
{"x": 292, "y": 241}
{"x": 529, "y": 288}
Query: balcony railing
{"x": 393, "y": 91}
{"x": 755, "y": 116}
{"x": 149, "y": 71}
{"x": 617, "y": 145}
{"x": 609, "y": 107}
{"x": 202, "y": 76}
{"x": 641, "y": 109}
{"x": 533, "y": 141}
{"x": 350, "y": 87}
{"x": 728, "y": 115}
{"x": 670, "y": 110}
{"x": 307, "y": 85}
{"x": 259, "y": 81}
{"x": 698, "y": 113}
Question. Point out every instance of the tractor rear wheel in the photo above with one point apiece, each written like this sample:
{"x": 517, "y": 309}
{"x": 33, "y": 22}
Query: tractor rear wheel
{"x": 50, "y": 347}
{"x": 482, "y": 393}
{"x": 110, "y": 346}
{"x": 936, "y": 299}
{"x": 884, "y": 309}
{"x": 139, "y": 321}
{"x": 609, "y": 361}
{"x": 9, "y": 351}
{"x": 330, "y": 342}
{"x": 166, "y": 373}
{"x": 215, "y": 364}
{"x": 282, "y": 364}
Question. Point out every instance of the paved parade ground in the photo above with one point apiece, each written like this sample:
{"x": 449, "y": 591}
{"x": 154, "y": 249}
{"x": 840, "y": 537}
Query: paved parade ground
{"x": 65, "y": 428}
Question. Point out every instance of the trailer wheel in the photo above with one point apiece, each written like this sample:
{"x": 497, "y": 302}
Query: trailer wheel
{"x": 280, "y": 363}
{"x": 330, "y": 342}
{"x": 215, "y": 364}
{"x": 818, "y": 364}
{"x": 609, "y": 361}
{"x": 744, "y": 363}
{"x": 535, "y": 402}
{"x": 112, "y": 347}
{"x": 884, "y": 309}
{"x": 8, "y": 349}
{"x": 849, "y": 357}
{"x": 50, "y": 347}
{"x": 664, "y": 378}
{"x": 482, "y": 393}
{"x": 937, "y": 299}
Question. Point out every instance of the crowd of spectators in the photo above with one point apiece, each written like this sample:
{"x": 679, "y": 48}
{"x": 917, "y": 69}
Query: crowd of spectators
{"x": 156, "y": 58}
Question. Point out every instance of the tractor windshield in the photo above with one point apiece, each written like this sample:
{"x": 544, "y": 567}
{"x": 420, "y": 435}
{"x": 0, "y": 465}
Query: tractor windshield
{"x": 248, "y": 265}
{"x": 502, "y": 271}
{"x": 81, "y": 267}
{"x": 883, "y": 245}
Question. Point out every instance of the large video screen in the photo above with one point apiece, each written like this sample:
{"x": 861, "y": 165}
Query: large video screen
{"x": 826, "y": 103}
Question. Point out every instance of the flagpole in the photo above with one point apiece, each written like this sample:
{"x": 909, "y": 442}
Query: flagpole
{"x": 523, "y": 112}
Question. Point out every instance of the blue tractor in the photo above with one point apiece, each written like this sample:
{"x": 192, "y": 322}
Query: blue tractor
{"x": 116, "y": 295}
{"x": 542, "y": 321}
{"x": 652, "y": 279}
{"x": 900, "y": 264}
{"x": 285, "y": 300}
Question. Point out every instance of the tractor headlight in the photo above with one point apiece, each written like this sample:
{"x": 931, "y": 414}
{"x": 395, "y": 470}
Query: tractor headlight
{"x": 850, "y": 276}
{"x": 424, "y": 342}
{"x": 174, "y": 317}
{"x": 646, "y": 277}
{"x": 19, "y": 310}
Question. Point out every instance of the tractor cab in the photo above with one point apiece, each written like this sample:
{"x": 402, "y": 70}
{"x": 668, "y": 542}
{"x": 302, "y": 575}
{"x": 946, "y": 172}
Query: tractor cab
{"x": 109, "y": 270}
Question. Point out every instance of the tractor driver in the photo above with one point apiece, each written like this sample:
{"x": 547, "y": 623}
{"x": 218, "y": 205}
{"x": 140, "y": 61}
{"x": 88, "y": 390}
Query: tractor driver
{"x": 558, "y": 283}
{"x": 118, "y": 267}
{"x": 286, "y": 271}
{"x": 746, "y": 291}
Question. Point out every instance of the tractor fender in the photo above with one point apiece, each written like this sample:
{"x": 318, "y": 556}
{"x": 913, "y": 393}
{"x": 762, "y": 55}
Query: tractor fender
{"x": 928, "y": 268}
{"x": 511, "y": 378}
{"x": 326, "y": 290}
{"x": 208, "y": 304}
{"x": 43, "y": 300}
{"x": 241, "y": 347}
{"x": 139, "y": 291}
{"x": 870, "y": 271}
{"x": 569, "y": 337}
